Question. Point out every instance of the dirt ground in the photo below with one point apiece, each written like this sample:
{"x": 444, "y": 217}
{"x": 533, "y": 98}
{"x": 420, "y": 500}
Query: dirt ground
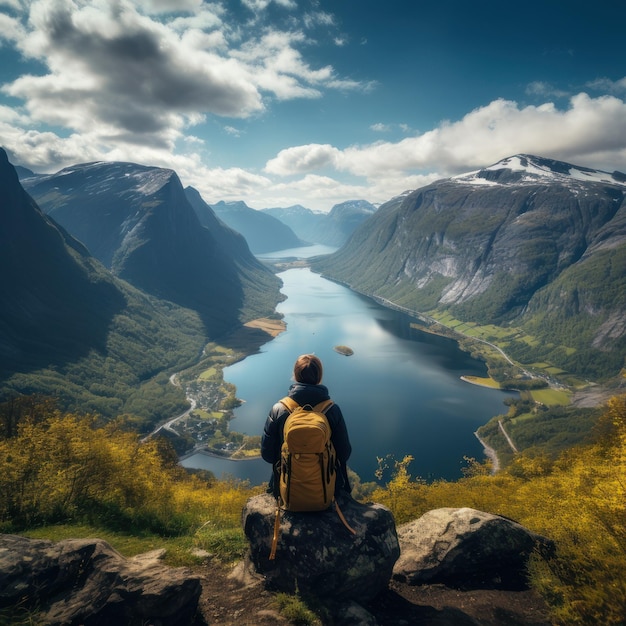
{"x": 227, "y": 602}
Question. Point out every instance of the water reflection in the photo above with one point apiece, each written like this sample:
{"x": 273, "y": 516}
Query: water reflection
{"x": 400, "y": 392}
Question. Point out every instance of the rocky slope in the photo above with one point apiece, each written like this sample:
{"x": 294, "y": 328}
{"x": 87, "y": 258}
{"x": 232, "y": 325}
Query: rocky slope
{"x": 138, "y": 222}
{"x": 57, "y": 301}
{"x": 528, "y": 241}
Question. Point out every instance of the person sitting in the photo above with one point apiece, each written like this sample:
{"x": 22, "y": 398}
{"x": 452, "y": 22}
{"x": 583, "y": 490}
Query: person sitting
{"x": 306, "y": 390}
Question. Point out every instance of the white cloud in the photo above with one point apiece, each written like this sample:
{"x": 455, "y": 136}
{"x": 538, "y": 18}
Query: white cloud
{"x": 590, "y": 131}
{"x": 225, "y": 184}
{"x": 10, "y": 29}
{"x": 127, "y": 80}
{"x": 318, "y": 18}
{"x": 11, "y": 4}
{"x": 131, "y": 75}
{"x": 121, "y": 75}
{"x": 261, "y": 5}
{"x": 231, "y": 130}
{"x": 543, "y": 89}
{"x": 302, "y": 159}
{"x": 276, "y": 66}
{"x": 170, "y": 6}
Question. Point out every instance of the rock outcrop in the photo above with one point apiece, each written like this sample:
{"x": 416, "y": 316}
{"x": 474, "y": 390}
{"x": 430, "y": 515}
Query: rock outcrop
{"x": 85, "y": 581}
{"x": 316, "y": 554}
{"x": 466, "y": 548}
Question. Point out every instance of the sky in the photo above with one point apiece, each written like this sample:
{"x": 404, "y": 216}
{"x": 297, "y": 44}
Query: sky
{"x": 312, "y": 102}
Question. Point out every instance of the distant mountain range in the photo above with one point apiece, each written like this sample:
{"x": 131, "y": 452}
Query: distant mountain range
{"x": 139, "y": 223}
{"x": 263, "y": 232}
{"x": 332, "y": 229}
{"x": 527, "y": 242}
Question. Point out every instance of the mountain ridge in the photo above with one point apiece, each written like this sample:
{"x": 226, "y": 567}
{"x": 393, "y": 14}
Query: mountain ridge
{"x": 510, "y": 250}
{"x": 263, "y": 232}
{"x": 138, "y": 221}
{"x": 332, "y": 228}
{"x": 73, "y": 330}
{"x": 530, "y": 168}
{"x": 57, "y": 295}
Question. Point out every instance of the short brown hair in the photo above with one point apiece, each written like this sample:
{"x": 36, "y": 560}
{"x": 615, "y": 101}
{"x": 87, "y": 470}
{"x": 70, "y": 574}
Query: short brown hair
{"x": 308, "y": 369}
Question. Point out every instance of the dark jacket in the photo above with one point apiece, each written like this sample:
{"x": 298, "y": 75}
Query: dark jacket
{"x": 303, "y": 393}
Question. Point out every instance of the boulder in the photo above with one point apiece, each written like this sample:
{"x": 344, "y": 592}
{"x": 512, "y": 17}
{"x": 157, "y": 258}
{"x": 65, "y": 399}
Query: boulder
{"x": 466, "y": 548}
{"x": 85, "y": 581}
{"x": 316, "y": 554}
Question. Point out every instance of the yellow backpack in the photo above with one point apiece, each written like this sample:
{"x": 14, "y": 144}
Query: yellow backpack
{"x": 307, "y": 469}
{"x": 307, "y": 472}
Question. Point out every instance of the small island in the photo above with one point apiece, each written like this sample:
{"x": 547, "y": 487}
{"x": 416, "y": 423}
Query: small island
{"x": 344, "y": 350}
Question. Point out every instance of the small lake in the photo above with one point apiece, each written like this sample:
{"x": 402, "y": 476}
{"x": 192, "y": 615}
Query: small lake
{"x": 400, "y": 392}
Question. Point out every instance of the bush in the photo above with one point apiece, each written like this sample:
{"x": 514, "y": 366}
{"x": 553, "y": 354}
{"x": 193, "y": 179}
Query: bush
{"x": 579, "y": 501}
{"x": 67, "y": 468}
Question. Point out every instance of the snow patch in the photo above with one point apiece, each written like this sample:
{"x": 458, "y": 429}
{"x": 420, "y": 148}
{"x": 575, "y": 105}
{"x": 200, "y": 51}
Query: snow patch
{"x": 536, "y": 167}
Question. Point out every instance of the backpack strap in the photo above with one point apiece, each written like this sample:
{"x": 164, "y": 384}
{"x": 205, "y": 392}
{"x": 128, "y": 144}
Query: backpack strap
{"x": 291, "y": 405}
{"x": 323, "y": 406}
{"x": 342, "y": 518}
{"x": 275, "y": 536}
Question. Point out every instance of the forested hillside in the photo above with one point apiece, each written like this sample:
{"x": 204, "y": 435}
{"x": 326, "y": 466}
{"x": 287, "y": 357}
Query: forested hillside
{"x": 533, "y": 247}
{"x": 71, "y": 329}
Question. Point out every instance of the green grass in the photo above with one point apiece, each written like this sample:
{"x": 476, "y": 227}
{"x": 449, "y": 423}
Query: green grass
{"x": 523, "y": 417}
{"x": 210, "y": 374}
{"x": 126, "y": 544}
{"x": 224, "y": 544}
{"x": 293, "y": 608}
{"x": 551, "y": 397}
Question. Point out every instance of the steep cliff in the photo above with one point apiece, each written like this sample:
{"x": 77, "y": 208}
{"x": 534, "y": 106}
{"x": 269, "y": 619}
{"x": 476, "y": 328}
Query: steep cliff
{"x": 528, "y": 241}
{"x": 138, "y": 221}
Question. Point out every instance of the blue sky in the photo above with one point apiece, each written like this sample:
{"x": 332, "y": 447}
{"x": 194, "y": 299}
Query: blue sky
{"x": 281, "y": 102}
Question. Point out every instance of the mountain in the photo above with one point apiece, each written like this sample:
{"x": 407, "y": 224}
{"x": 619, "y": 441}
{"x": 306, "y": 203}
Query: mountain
{"x": 229, "y": 239}
{"x": 527, "y": 242}
{"x": 263, "y": 232}
{"x": 70, "y": 329}
{"x": 138, "y": 222}
{"x": 305, "y": 223}
{"x": 332, "y": 229}
{"x": 24, "y": 172}
{"x": 344, "y": 218}
{"x": 56, "y": 300}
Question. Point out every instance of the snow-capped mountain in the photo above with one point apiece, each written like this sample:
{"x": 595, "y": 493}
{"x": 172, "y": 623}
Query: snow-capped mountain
{"x": 528, "y": 241}
{"x": 526, "y": 168}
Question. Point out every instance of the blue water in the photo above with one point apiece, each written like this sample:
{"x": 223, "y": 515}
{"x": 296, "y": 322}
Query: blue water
{"x": 400, "y": 392}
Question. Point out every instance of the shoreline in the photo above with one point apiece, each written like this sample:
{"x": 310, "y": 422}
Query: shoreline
{"x": 215, "y": 455}
{"x": 479, "y": 384}
{"x": 273, "y": 327}
{"x": 490, "y": 453}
